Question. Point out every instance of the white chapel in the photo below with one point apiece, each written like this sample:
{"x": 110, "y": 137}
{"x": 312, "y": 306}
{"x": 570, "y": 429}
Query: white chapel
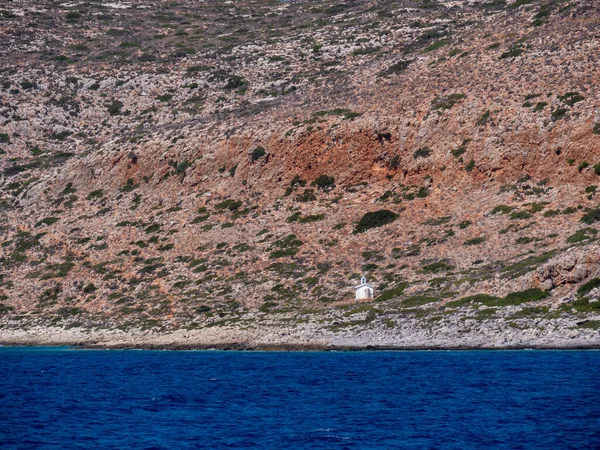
{"x": 364, "y": 290}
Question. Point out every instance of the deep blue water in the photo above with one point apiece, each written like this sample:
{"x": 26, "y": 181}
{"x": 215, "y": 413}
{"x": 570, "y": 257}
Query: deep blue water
{"x": 61, "y": 398}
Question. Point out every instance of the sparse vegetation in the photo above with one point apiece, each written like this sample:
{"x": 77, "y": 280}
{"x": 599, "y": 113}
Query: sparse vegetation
{"x": 375, "y": 219}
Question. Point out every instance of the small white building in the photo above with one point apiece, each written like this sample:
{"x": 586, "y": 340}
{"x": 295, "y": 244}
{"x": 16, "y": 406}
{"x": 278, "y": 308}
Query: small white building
{"x": 364, "y": 290}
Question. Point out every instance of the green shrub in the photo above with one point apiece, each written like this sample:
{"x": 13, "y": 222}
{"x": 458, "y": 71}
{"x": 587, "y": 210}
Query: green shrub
{"x": 418, "y": 300}
{"x": 464, "y": 224}
{"x": 97, "y": 194}
{"x": 438, "y": 221}
{"x": 201, "y": 218}
{"x": 230, "y": 204}
{"x": 324, "y": 182}
{"x": 477, "y": 298}
{"x": 307, "y": 196}
{"x": 586, "y": 288}
{"x": 459, "y": 151}
{"x": 436, "y": 267}
{"x": 502, "y": 209}
{"x": 475, "y": 241}
{"x": 514, "y": 51}
{"x": 583, "y": 165}
{"x": 582, "y": 235}
{"x": 485, "y": 117}
{"x": 528, "y": 295}
{"x": 312, "y": 218}
{"x": 596, "y": 129}
{"x": 395, "y": 68}
{"x": 5, "y": 309}
{"x": 182, "y": 166}
{"x": 4, "y": 138}
{"x": 153, "y": 228}
{"x": 375, "y": 219}
{"x": 526, "y": 265}
{"x": 114, "y": 108}
{"x": 470, "y": 166}
{"x": 570, "y": 98}
{"x": 441, "y": 104}
{"x": 559, "y": 113}
{"x": 423, "y": 152}
{"x": 591, "y": 216}
{"x": 392, "y": 293}
{"x": 520, "y": 215}
{"x": 129, "y": 186}
{"x": 164, "y": 98}
{"x": 288, "y": 246}
{"x": 26, "y": 85}
{"x": 47, "y": 221}
{"x": 436, "y": 45}
{"x": 257, "y": 153}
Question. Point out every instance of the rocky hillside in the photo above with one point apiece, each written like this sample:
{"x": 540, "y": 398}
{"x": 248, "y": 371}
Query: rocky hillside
{"x": 188, "y": 165}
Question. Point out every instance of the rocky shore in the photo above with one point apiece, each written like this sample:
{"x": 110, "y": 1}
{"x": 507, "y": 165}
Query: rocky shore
{"x": 460, "y": 330}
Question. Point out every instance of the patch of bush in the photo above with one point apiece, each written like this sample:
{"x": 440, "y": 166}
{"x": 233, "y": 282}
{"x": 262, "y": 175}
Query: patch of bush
{"x": 458, "y": 151}
{"x": 528, "y": 295}
{"x": 97, "y": 194}
{"x": 559, "y": 113}
{"x": 114, "y": 108}
{"x": 288, "y": 246}
{"x": 436, "y": 267}
{"x": 477, "y": 298}
{"x": 396, "y": 68}
{"x": 324, "y": 182}
{"x": 392, "y": 293}
{"x": 423, "y": 152}
{"x": 230, "y": 204}
{"x": 257, "y": 153}
{"x": 514, "y": 51}
{"x": 418, "y": 300}
{"x": 375, "y": 219}
{"x": 4, "y": 138}
{"x": 47, "y": 221}
{"x": 591, "y": 216}
{"x": 570, "y": 98}
{"x": 586, "y": 288}
{"x": 520, "y": 215}
{"x": 475, "y": 241}
{"x": 502, "y": 209}
{"x": 312, "y": 218}
{"x": 129, "y": 186}
{"x": 183, "y": 166}
{"x": 582, "y": 235}
{"x": 441, "y": 104}
{"x": 307, "y": 196}
{"x": 526, "y": 265}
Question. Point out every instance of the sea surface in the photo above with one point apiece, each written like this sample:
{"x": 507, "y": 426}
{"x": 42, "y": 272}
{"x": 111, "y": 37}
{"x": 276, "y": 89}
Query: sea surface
{"x": 98, "y": 399}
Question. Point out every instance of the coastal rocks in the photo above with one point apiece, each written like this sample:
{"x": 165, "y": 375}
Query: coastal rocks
{"x": 571, "y": 268}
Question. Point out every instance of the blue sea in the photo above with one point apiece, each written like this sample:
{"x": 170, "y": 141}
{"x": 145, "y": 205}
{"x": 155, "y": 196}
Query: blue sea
{"x": 98, "y": 399}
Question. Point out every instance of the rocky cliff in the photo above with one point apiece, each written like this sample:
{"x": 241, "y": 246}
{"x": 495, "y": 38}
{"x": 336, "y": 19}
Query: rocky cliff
{"x": 211, "y": 166}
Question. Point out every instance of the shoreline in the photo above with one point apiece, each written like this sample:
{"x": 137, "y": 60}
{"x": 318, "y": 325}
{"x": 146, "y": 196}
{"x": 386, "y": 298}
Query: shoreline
{"x": 301, "y": 348}
{"x": 278, "y": 334}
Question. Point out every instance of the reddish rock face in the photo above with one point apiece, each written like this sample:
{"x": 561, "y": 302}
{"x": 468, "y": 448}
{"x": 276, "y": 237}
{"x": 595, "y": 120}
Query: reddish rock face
{"x": 178, "y": 164}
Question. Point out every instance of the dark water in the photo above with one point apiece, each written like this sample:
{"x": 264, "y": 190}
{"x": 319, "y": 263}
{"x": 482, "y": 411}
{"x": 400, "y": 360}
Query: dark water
{"x": 60, "y": 398}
